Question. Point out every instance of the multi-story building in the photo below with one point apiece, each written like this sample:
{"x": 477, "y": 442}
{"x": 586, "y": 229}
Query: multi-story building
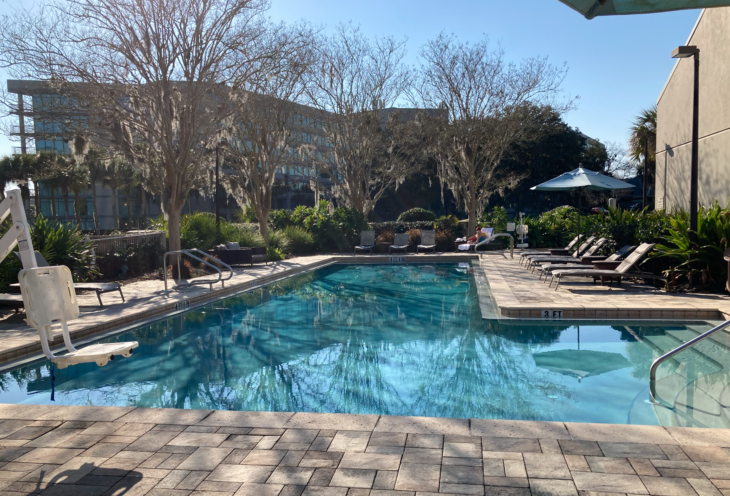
{"x": 711, "y": 35}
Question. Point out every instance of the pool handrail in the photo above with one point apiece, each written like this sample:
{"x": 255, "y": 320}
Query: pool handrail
{"x": 189, "y": 252}
{"x": 511, "y": 242}
{"x": 679, "y": 349}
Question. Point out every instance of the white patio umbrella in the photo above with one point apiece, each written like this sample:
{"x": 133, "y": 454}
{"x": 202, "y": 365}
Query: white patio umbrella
{"x": 582, "y": 179}
{"x": 593, "y": 8}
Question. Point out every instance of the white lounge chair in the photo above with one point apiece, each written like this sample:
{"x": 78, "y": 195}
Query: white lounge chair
{"x": 570, "y": 246}
{"x": 489, "y": 231}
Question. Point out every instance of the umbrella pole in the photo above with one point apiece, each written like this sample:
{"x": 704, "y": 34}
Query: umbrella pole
{"x": 580, "y": 193}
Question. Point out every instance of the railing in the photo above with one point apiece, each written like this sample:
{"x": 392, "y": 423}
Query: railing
{"x": 511, "y": 242}
{"x": 110, "y": 252}
{"x": 17, "y": 150}
{"x": 189, "y": 253}
{"x": 109, "y": 244}
{"x": 679, "y": 349}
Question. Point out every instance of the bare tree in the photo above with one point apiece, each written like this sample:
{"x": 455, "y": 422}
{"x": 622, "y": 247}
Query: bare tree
{"x": 355, "y": 81}
{"x": 268, "y": 123}
{"x": 155, "y": 76}
{"x": 490, "y": 103}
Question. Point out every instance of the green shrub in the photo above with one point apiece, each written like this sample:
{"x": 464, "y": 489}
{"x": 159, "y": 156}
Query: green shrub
{"x": 274, "y": 254}
{"x": 59, "y": 245}
{"x": 280, "y": 219}
{"x": 416, "y": 215}
{"x": 497, "y": 219}
{"x": 300, "y": 241}
{"x": 247, "y": 215}
{"x": 447, "y": 222}
{"x": 250, "y": 238}
{"x": 399, "y": 227}
{"x": 332, "y": 229}
{"x": 277, "y": 239}
{"x": 699, "y": 264}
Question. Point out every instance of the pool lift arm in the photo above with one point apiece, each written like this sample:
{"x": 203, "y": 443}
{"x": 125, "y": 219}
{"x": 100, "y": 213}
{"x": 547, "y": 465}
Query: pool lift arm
{"x": 48, "y": 294}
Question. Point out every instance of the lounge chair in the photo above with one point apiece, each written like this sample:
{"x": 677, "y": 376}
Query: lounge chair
{"x": 428, "y": 241}
{"x": 563, "y": 260}
{"x": 234, "y": 255}
{"x": 14, "y": 301}
{"x": 624, "y": 269}
{"x": 587, "y": 262}
{"x": 367, "y": 242}
{"x": 489, "y": 231}
{"x": 400, "y": 243}
{"x": 99, "y": 287}
{"x": 532, "y": 259}
{"x": 258, "y": 254}
{"x": 570, "y": 246}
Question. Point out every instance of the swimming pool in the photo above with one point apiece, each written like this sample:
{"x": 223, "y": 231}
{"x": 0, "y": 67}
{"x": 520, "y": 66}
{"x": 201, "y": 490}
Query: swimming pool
{"x": 379, "y": 339}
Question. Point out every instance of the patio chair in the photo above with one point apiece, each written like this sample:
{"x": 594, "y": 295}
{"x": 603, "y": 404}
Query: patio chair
{"x": 428, "y": 241}
{"x": 576, "y": 254}
{"x": 587, "y": 262}
{"x": 99, "y": 287}
{"x": 489, "y": 231}
{"x": 13, "y": 301}
{"x": 367, "y": 242}
{"x": 624, "y": 269}
{"x": 561, "y": 260}
{"x": 400, "y": 243}
{"x": 570, "y": 246}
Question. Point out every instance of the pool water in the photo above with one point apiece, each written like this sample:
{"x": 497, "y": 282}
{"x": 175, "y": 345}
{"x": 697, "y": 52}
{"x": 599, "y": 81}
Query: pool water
{"x": 379, "y": 339}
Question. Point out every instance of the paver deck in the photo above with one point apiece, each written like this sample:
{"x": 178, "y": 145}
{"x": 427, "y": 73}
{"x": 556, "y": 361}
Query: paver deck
{"x": 520, "y": 294}
{"x": 62, "y": 450}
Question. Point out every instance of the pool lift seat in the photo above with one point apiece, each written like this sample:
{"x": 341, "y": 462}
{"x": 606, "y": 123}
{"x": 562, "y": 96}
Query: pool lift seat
{"x": 48, "y": 294}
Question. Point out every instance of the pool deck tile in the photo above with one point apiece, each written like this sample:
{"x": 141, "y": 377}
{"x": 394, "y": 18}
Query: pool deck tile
{"x": 454, "y": 456}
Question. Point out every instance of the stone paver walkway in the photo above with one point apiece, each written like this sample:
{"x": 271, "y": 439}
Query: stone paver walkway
{"x": 84, "y": 450}
{"x": 520, "y": 294}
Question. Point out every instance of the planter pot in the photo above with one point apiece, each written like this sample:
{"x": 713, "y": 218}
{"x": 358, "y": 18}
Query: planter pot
{"x": 383, "y": 247}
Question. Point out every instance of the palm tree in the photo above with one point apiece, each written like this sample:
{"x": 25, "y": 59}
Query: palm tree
{"x": 643, "y": 135}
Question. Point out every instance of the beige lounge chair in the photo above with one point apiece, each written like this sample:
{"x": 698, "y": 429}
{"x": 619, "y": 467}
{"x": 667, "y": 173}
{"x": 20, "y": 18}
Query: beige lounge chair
{"x": 586, "y": 262}
{"x": 573, "y": 258}
{"x": 623, "y": 270}
{"x": 570, "y": 246}
{"x": 575, "y": 255}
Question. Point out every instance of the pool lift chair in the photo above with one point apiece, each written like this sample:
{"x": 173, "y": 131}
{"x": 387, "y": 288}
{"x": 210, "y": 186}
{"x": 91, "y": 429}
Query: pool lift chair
{"x": 48, "y": 294}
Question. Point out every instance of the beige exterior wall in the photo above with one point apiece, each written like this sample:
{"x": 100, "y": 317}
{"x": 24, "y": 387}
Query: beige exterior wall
{"x": 674, "y": 121}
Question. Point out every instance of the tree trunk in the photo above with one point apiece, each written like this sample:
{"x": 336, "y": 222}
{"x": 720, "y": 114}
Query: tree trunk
{"x": 472, "y": 221}
{"x": 37, "y": 187}
{"x": 128, "y": 192}
{"x": 143, "y": 196}
{"x": 77, "y": 210}
{"x": 173, "y": 230}
{"x": 95, "y": 212}
{"x": 115, "y": 209}
{"x": 53, "y": 203}
{"x": 64, "y": 192}
{"x": 263, "y": 213}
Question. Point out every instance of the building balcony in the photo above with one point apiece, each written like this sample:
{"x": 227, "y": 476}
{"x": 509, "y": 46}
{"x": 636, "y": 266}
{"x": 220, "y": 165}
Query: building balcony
{"x": 30, "y": 150}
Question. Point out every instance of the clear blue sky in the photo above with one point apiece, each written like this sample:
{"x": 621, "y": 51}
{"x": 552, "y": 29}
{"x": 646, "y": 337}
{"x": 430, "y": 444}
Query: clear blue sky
{"x": 617, "y": 65}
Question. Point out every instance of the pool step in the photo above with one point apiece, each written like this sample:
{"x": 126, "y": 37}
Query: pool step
{"x": 705, "y": 400}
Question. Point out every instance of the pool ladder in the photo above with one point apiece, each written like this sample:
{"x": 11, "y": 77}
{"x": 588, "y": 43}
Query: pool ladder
{"x": 679, "y": 349}
{"x": 189, "y": 252}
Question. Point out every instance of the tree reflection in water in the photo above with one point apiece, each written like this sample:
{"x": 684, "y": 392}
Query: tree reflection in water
{"x": 382, "y": 339}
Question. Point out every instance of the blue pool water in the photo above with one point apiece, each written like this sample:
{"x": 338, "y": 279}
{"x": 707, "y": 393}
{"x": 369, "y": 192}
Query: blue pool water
{"x": 380, "y": 339}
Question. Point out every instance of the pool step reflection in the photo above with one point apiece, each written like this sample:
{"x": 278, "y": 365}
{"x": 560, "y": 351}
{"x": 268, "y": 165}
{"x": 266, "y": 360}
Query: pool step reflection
{"x": 692, "y": 390}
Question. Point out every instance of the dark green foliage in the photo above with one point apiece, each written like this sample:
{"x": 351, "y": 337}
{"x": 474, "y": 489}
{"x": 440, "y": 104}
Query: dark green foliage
{"x": 699, "y": 264}
{"x": 554, "y": 228}
{"x": 332, "y": 229}
{"x": 416, "y": 215}
{"x": 300, "y": 241}
{"x": 497, "y": 219}
{"x": 59, "y": 245}
{"x": 140, "y": 259}
{"x": 274, "y": 254}
{"x": 280, "y": 218}
{"x": 399, "y": 227}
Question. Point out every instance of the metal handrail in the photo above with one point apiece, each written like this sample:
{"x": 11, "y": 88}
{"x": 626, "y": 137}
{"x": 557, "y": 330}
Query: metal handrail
{"x": 678, "y": 349}
{"x": 189, "y": 253}
{"x": 501, "y": 235}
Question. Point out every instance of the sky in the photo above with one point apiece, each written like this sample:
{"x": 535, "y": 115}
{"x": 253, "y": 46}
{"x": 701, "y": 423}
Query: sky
{"x": 617, "y": 65}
